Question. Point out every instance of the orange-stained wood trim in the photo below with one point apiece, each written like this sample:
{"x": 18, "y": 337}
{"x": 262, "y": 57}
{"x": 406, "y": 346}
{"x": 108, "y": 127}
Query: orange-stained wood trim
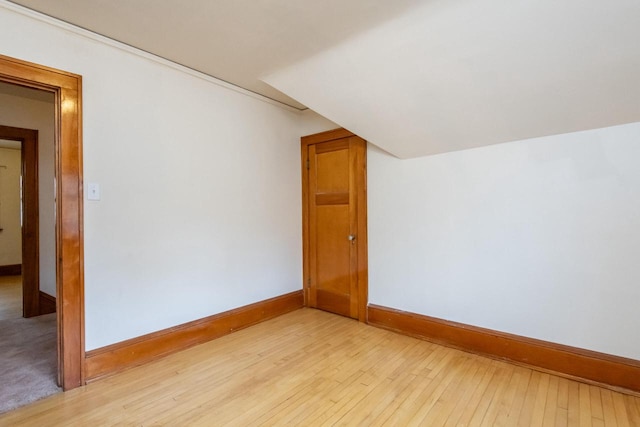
{"x": 354, "y": 219}
{"x": 363, "y": 243}
{"x": 67, "y": 89}
{"x": 306, "y": 273}
{"x": 47, "y": 303}
{"x": 11, "y": 270}
{"x": 137, "y": 351}
{"x": 326, "y": 136}
{"x": 575, "y": 362}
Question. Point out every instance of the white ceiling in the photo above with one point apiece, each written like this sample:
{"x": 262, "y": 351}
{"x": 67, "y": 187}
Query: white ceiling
{"x": 413, "y": 77}
{"x": 237, "y": 41}
{"x": 453, "y": 75}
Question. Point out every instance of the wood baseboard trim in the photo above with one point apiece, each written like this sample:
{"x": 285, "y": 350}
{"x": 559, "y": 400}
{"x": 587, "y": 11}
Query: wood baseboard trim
{"x": 568, "y": 361}
{"x": 11, "y": 270}
{"x": 117, "y": 357}
{"x": 47, "y": 303}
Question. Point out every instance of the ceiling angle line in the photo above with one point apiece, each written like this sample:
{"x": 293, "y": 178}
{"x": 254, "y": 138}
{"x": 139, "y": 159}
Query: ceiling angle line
{"x": 85, "y": 32}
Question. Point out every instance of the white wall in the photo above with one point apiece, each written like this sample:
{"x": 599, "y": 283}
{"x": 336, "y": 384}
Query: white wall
{"x": 200, "y": 206}
{"x": 312, "y": 122}
{"x": 31, "y": 109}
{"x": 537, "y": 238}
{"x": 11, "y": 234}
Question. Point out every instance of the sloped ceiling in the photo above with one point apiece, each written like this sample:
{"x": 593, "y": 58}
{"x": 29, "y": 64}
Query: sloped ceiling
{"x": 237, "y": 41}
{"x": 452, "y": 75}
{"x": 413, "y": 77}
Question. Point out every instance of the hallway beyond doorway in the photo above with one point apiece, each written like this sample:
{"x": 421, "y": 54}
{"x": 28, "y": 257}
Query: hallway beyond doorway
{"x": 10, "y": 297}
{"x": 28, "y": 358}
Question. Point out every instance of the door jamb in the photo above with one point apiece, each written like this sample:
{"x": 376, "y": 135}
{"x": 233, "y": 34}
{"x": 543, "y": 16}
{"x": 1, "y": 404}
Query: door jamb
{"x": 362, "y": 270}
{"x": 28, "y": 139}
{"x": 67, "y": 88}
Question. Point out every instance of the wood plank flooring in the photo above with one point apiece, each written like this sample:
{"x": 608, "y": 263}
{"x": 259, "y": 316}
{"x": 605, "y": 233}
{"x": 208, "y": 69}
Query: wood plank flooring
{"x": 313, "y": 368}
{"x": 10, "y": 297}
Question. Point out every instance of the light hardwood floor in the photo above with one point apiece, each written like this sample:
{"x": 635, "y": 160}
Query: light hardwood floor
{"x": 10, "y": 297}
{"x": 313, "y": 368}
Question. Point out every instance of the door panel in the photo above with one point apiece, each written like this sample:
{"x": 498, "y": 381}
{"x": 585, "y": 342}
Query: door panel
{"x": 333, "y": 249}
{"x": 334, "y": 217}
{"x": 332, "y": 170}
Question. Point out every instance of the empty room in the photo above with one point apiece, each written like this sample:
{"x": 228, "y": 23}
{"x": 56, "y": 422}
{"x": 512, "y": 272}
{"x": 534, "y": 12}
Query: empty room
{"x": 366, "y": 212}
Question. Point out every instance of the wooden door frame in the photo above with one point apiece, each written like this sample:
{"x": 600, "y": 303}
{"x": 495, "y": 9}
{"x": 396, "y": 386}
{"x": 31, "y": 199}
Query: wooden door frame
{"x": 28, "y": 139}
{"x": 362, "y": 255}
{"x": 67, "y": 89}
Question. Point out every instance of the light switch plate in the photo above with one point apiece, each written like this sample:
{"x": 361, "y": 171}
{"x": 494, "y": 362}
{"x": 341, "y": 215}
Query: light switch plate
{"x": 93, "y": 191}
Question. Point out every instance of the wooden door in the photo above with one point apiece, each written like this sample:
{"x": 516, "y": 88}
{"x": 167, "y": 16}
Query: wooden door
{"x": 334, "y": 222}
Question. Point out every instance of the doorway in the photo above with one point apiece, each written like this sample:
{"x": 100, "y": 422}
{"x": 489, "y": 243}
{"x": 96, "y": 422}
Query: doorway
{"x": 28, "y": 216}
{"x": 66, "y": 88}
{"x": 334, "y": 212}
{"x": 28, "y": 358}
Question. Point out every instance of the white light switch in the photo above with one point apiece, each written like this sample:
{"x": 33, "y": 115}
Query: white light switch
{"x": 93, "y": 191}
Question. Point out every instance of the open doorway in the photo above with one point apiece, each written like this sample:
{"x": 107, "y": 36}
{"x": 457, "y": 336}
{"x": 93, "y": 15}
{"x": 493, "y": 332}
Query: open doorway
{"x": 66, "y": 89}
{"x": 27, "y": 199}
{"x": 27, "y": 196}
{"x": 10, "y": 231}
{"x": 28, "y": 368}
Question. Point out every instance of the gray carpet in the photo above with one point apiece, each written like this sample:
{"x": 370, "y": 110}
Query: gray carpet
{"x": 28, "y": 360}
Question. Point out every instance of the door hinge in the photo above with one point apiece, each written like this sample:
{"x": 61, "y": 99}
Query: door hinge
{"x": 309, "y": 281}
{"x": 307, "y": 164}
